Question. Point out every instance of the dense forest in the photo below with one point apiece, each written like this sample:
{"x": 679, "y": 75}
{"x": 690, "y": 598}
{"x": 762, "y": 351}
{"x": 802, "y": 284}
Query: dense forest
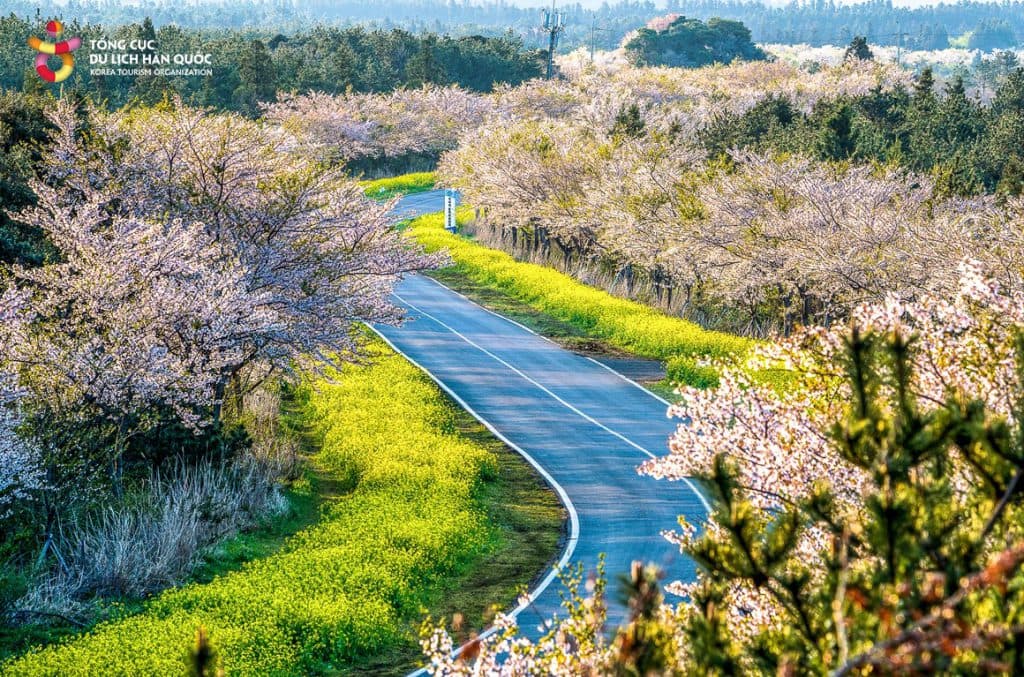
{"x": 974, "y": 25}
{"x": 971, "y": 24}
{"x": 249, "y": 68}
{"x": 968, "y": 148}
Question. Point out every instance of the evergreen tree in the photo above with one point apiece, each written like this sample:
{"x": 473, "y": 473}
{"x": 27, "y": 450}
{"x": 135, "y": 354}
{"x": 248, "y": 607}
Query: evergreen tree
{"x": 992, "y": 34}
{"x": 1009, "y": 97}
{"x": 148, "y": 89}
{"x": 257, "y": 80}
{"x": 1011, "y": 184}
{"x": 924, "y": 88}
{"x": 859, "y": 49}
{"x": 923, "y": 580}
{"x": 921, "y": 122}
{"x": 424, "y": 68}
{"x": 629, "y": 122}
{"x": 689, "y": 43}
{"x": 836, "y": 139}
{"x": 959, "y": 119}
{"x": 23, "y": 130}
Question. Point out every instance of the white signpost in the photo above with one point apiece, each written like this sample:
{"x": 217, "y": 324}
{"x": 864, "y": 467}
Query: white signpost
{"x": 450, "y": 197}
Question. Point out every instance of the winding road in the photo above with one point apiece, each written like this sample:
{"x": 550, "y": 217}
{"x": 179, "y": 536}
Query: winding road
{"x": 585, "y": 427}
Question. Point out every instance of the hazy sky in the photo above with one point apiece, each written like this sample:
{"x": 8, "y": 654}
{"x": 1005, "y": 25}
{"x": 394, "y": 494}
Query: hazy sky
{"x": 586, "y": 3}
{"x": 597, "y": 3}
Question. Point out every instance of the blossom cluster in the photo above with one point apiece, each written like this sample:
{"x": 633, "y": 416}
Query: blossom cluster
{"x": 21, "y": 470}
{"x": 780, "y": 241}
{"x": 193, "y": 249}
{"x": 354, "y": 126}
{"x": 964, "y": 344}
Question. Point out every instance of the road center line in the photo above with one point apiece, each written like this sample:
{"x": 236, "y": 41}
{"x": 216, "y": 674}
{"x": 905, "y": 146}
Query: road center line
{"x": 525, "y": 328}
{"x": 567, "y": 405}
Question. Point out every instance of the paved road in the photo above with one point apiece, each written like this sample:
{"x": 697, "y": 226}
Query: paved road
{"x": 583, "y": 425}
{"x": 420, "y": 203}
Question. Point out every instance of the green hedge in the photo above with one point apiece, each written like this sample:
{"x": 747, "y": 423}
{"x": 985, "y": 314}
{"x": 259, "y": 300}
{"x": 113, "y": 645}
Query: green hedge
{"x": 349, "y": 587}
{"x": 629, "y": 325}
{"x": 406, "y": 184}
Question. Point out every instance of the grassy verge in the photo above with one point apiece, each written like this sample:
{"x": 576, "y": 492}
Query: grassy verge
{"x": 586, "y": 312}
{"x": 528, "y": 526}
{"x": 406, "y": 184}
{"x": 564, "y": 333}
{"x": 430, "y": 515}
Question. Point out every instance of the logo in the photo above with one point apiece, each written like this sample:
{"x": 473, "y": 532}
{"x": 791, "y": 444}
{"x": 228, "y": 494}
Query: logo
{"x": 62, "y": 49}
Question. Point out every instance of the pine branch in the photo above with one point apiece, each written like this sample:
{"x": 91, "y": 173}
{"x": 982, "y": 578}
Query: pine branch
{"x": 930, "y": 630}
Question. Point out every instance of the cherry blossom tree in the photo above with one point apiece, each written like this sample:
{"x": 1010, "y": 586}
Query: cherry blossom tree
{"x": 865, "y": 518}
{"x": 965, "y": 345}
{"x": 781, "y": 241}
{"x": 354, "y": 126}
{"x": 21, "y": 471}
{"x": 549, "y": 167}
{"x": 811, "y": 237}
{"x": 945, "y": 360}
{"x": 196, "y": 253}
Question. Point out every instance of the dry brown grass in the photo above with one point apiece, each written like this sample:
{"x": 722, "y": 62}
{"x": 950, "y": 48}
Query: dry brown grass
{"x": 156, "y": 536}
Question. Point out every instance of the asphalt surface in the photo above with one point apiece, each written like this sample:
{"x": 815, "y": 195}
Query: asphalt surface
{"x": 583, "y": 425}
{"x": 420, "y": 203}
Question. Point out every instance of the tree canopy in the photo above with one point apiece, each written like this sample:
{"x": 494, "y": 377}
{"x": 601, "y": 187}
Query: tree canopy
{"x": 691, "y": 43}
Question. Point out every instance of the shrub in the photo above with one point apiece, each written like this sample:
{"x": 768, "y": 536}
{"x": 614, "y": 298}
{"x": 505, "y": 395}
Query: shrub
{"x": 154, "y": 540}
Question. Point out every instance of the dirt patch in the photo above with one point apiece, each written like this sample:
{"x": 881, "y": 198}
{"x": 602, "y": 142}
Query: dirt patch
{"x": 644, "y": 371}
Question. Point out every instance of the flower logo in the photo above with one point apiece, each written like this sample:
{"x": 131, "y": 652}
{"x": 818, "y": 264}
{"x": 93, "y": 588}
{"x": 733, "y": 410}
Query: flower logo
{"x": 62, "y": 49}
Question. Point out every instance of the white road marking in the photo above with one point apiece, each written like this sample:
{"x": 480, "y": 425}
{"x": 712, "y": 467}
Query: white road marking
{"x": 574, "y": 519}
{"x": 689, "y": 483}
{"x": 486, "y": 309}
{"x": 630, "y": 381}
{"x": 562, "y": 494}
{"x": 524, "y": 327}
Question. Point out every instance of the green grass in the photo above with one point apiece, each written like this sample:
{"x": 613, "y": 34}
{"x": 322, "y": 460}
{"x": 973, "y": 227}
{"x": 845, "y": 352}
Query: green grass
{"x": 304, "y": 500}
{"x": 428, "y": 516}
{"x": 406, "y": 184}
{"x": 591, "y": 313}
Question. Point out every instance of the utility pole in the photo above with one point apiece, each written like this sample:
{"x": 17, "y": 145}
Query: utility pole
{"x": 554, "y": 24}
{"x": 899, "y": 44}
{"x": 593, "y": 35}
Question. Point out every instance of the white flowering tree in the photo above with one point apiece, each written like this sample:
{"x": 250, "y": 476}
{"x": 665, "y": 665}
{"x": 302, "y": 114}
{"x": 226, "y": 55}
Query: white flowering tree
{"x": 21, "y": 468}
{"x": 355, "y": 126}
{"x": 781, "y": 241}
{"x": 866, "y": 516}
{"x": 196, "y": 253}
{"x": 756, "y": 242}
